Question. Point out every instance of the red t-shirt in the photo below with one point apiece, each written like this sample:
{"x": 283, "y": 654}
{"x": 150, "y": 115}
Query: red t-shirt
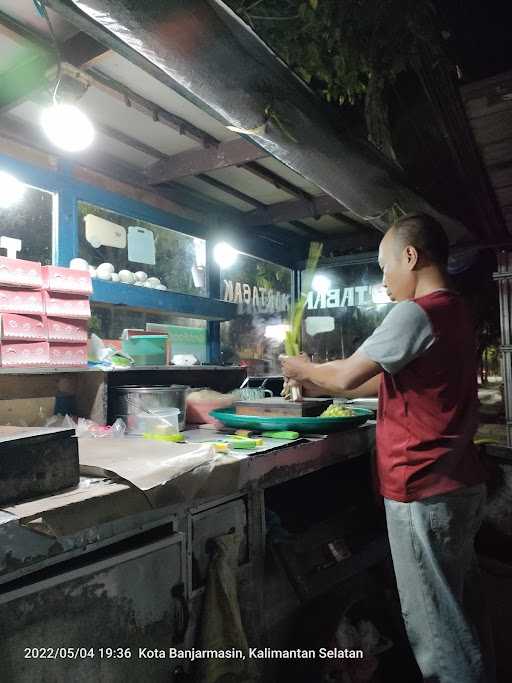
{"x": 428, "y": 410}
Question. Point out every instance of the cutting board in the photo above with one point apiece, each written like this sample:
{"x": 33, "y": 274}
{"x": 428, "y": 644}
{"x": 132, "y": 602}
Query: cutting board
{"x": 280, "y": 407}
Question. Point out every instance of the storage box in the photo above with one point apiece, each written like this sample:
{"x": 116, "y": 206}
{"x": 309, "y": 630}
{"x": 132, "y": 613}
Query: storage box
{"x": 24, "y": 354}
{"x": 147, "y": 349}
{"x": 128, "y": 333}
{"x": 66, "y": 280}
{"x": 14, "y": 327}
{"x": 165, "y": 421}
{"x": 67, "y": 330}
{"x": 17, "y": 273}
{"x": 23, "y": 301}
{"x": 68, "y": 355}
{"x": 66, "y": 306}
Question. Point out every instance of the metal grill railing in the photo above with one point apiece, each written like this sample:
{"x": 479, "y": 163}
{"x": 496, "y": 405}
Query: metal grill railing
{"x": 504, "y": 280}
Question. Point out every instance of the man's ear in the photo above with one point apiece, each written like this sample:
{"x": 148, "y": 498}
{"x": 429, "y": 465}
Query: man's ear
{"x": 412, "y": 257}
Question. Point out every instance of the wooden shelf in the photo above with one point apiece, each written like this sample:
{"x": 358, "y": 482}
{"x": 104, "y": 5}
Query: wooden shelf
{"x": 186, "y": 305}
{"x": 133, "y": 368}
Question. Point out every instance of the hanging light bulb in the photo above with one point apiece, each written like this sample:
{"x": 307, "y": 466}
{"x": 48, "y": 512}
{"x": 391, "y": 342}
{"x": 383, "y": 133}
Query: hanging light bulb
{"x": 11, "y": 190}
{"x": 224, "y": 254}
{"x": 321, "y": 284}
{"x": 67, "y": 127}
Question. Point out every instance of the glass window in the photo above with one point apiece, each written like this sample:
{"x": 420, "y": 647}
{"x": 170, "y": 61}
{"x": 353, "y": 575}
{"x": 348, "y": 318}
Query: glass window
{"x": 188, "y": 335}
{"x": 30, "y": 219}
{"x": 338, "y": 319}
{"x": 177, "y": 260}
{"x": 262, "y": 290}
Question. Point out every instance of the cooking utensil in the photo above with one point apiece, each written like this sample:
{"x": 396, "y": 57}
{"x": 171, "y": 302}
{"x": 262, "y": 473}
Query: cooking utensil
{"x": 132, "y": 399}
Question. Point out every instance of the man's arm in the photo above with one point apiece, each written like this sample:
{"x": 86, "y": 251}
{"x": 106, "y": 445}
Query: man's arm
{"x": 335, "y": 377}
{"x": 367, "y": 389}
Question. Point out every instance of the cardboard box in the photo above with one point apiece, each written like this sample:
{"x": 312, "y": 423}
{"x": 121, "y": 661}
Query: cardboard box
{"x": 66, "y": 306}
{"x": 14, "y": 327}
{"x": 17, "y": 273}
{"x": 68, "y": 355}
{"x": 24, "y": 354}
{"x": 67, "y": 330}
{"x": 66, "y": 280}
{"x": 22, "y": 301}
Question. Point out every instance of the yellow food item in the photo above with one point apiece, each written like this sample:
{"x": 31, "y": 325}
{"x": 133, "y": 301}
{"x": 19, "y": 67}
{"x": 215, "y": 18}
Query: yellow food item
{"x": 337, "y": 410}
{"x": 220, "y": 447}
{"x": 175, "y": 438}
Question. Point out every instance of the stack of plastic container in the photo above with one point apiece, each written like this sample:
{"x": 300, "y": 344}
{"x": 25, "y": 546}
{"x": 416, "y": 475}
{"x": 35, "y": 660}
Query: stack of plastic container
{"x": 43, "y": 315}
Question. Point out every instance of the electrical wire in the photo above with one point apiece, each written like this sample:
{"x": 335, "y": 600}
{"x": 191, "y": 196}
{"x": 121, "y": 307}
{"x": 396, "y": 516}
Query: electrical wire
{"x": 40, "y": 6}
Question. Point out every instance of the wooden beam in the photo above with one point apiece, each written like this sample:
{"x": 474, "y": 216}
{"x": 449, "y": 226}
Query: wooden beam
{"x": 192, "y": 162}
{"x": 82, "y": 51}
{"x": 231, "y": 191}
{"x": 285, "y": 212}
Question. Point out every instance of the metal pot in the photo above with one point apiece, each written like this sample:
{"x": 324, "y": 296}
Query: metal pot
{"x": 132, "y": 399}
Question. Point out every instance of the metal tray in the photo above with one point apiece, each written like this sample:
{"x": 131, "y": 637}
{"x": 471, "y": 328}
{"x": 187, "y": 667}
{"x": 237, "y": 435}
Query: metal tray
{"x": 304, "y": 425}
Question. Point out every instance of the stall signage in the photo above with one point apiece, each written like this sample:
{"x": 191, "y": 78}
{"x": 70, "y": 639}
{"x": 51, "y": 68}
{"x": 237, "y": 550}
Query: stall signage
{"x": 345, "y": 297}
{"x": 259, "y": 299}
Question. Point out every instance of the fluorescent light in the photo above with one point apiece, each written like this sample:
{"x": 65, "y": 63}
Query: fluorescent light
{"x": 67, "y": 127}
{"x": 276, "y": 332}
{"x": 224, "y": 254}
{"x": 11, "y": 190}
{"x": 321, "y": 284}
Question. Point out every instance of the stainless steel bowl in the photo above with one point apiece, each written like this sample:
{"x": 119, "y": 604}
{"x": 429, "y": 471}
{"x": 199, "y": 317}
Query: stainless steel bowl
{"x": 132, "y": 399}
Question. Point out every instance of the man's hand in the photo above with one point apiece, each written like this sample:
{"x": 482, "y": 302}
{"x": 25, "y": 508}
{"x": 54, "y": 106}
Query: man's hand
{"x": 337, "y": 377}
{"x": 296, "y": 367}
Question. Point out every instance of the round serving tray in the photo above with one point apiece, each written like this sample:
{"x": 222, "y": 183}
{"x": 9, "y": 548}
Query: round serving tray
{"x": 303, "y": 425}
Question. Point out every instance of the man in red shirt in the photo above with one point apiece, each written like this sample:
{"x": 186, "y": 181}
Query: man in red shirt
{"x": 422, "y": 363}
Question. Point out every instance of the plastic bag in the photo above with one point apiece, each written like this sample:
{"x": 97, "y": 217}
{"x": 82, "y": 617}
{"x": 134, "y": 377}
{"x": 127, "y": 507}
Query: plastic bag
{"x": 88, "y": 428}
{"x": 60, "y": 422}
{"x": 99, "y": 354}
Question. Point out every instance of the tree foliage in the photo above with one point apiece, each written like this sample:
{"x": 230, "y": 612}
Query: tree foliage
{"x": 348, "y": 50}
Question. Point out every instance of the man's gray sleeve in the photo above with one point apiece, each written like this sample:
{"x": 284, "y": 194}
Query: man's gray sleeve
{"x": 404, "y": 334}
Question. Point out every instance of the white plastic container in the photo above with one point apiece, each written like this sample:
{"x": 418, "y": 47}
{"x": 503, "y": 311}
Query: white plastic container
{"x": 157, "y": 422}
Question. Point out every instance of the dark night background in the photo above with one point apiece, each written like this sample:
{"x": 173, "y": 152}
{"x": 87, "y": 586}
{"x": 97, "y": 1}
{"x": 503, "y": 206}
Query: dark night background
{"x": 481, "y": 35}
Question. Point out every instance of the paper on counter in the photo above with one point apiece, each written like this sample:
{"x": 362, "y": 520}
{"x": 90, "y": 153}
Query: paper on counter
{"x": 145, "y": 464}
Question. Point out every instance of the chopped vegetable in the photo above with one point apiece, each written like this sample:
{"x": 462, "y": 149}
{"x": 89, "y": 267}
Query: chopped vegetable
{"x": 292, "y": 339}
{"x": 293, "y": 390}
{"x": 337, "y": 410}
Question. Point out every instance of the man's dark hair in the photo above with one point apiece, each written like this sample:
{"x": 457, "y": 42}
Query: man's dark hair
{"x": 424, "y": 233}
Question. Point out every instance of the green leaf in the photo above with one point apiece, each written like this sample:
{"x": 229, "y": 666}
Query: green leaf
{"x": 313, "y": 4}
